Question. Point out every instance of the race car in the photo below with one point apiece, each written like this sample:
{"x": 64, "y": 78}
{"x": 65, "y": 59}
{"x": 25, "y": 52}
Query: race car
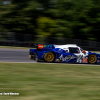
{"x": 70, "y": 53}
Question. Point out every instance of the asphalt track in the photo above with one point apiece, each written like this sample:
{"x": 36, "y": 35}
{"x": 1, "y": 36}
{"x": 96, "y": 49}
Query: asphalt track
{"x": 15, "y": 55}
{"x": 21, "y": 56}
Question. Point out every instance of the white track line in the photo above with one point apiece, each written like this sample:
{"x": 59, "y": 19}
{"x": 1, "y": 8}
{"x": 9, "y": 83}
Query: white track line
{"x": 53, "y": 63}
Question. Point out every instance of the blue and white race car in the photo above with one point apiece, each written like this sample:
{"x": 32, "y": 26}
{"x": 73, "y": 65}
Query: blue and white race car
{"x": 70, "y": 53}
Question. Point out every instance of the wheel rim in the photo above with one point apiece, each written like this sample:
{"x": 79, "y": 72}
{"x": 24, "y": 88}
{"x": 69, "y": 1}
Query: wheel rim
{"x": 49, "y": 57}
{"x": 92, "y": 58}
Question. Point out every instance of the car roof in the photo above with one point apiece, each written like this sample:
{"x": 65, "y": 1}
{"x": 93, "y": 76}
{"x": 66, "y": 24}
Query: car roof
{"x": 65, "y": 46}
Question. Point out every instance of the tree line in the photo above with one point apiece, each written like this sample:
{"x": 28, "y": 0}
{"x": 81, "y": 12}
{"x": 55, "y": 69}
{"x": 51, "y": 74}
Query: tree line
{"x": 76, "y": 19}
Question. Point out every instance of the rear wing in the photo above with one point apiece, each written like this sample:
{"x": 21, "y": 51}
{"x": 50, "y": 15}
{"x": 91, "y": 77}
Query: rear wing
{"x": 41, "y": 46}
{"x": 33, "y": 45}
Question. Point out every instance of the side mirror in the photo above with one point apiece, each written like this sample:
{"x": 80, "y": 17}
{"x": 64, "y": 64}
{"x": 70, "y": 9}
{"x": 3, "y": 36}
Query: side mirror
{"x": 83, "y": 51}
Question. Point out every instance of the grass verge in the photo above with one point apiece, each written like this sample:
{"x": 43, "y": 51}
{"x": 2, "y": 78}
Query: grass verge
{"x": 49, "y": 81}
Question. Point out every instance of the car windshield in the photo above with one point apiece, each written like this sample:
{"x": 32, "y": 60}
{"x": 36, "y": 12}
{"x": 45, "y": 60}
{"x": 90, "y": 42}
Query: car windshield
{"x": 81, "y": 49}
{"x": 74, "y": 50}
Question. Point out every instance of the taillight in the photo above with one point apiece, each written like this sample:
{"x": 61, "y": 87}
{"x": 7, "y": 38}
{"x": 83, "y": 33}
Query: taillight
{"x": 29, "y": 44}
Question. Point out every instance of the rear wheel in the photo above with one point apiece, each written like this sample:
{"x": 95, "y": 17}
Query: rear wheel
{"x": 49, "y": 57}
{"x": 92, "y": 59}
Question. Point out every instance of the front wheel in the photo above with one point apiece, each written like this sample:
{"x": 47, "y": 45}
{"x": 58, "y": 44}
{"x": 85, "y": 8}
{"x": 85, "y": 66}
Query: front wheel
{"x": 49, "y": 57}
{"x": 92, "y": 59}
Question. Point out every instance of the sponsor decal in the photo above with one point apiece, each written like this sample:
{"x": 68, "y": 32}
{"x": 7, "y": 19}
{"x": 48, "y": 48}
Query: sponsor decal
{"x": 40, "y": 46}
{"x": 48, "y": 46}
{"x": 67, "y": 58}
{"x": 80, "y": 58}
{"x": 85, "y": 60}
{"x": 98, "y": 60}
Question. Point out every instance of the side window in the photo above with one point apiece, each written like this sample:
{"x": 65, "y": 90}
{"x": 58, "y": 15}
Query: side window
{"x": 74, "y": 50}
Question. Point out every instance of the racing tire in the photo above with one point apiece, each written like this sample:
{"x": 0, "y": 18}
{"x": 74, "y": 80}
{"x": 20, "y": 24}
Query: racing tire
{"x": 49, "y": 57}
{"x": 92, "y": 59}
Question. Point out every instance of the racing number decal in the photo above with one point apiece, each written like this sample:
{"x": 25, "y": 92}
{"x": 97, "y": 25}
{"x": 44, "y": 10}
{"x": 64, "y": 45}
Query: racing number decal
{"x": 84, "y": 60}
{"x": 79, "y": 58}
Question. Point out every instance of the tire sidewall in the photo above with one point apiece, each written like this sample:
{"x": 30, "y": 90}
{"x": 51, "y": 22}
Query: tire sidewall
{"x": 90, "y": 62}
{"x": 46, "y": 55}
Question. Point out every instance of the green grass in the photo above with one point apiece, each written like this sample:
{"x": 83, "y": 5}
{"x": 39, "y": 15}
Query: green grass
{"x": 50, "y": 81}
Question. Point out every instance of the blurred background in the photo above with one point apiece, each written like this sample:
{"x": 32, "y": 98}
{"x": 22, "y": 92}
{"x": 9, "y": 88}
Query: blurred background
{"x": 50, "y": 21}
